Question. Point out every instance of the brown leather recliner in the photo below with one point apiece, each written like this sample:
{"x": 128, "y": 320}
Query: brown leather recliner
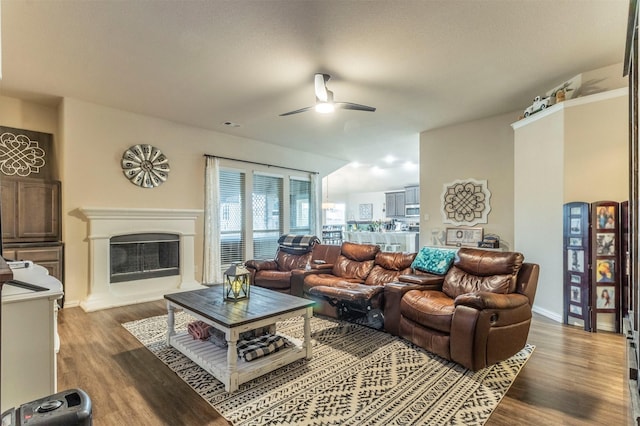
{"x": 275, "y": 274}
{"x": 478, "y": 314}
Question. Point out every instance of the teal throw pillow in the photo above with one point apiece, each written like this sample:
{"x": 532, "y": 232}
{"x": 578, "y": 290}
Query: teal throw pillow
{"x": 434, "y": 260}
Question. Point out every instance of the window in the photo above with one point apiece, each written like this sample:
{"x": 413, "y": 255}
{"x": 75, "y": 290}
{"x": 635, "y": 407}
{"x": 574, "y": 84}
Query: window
{"x": 257, "y": 206}
{"x": 267, "y": 220}
{"x": 232, "y": 218}
{"x": 300, "y": 205}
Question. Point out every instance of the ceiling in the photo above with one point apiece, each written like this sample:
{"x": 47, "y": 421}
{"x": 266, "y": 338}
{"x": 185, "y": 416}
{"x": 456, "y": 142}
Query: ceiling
{"x": 422, "y": 64}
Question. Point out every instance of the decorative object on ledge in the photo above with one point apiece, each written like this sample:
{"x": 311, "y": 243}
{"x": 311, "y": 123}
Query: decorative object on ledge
{"x": 465, "y": 202}
{"x": 23, "y": 153}
{"x": 145, "y": 166}
{"x": 464, "y": 237}
{"x": 236, "y": 282}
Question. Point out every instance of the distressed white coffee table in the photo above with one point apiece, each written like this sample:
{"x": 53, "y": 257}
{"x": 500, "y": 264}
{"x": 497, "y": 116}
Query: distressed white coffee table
{"x": 263, "y": 308}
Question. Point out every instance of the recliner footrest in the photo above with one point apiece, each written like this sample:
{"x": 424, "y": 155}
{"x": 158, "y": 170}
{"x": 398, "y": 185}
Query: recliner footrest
{"x": 351, "y": 302}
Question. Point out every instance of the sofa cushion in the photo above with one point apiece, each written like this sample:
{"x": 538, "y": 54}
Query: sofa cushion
{"x": 432, "y": 309}
{"x": 359, "y": 252}
{"x": 351, "y": 269}
{"x": 434, "y": 260}
{"x": 287, "y": 261}
{"x": 275, "y": 280}
{"x": 388, "y": 267}
{"x": 482, "y": 270}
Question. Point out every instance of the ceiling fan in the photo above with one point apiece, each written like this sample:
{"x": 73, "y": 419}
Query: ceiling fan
{"x": 324, "y": 99}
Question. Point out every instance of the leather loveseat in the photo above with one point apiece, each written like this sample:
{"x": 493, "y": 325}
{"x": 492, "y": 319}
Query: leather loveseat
{"x": 355, "y": 284}
{"x": 478, "y": 314}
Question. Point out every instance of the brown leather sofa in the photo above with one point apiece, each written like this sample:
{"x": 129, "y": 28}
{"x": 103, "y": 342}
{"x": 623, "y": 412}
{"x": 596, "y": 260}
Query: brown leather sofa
{"x": 355, "y": 283}
{"x": 276, "y": 274}
{"x": 478, "y": 314}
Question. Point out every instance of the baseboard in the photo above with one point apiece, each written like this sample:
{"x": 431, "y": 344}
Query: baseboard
{"x": 546, "y": 313}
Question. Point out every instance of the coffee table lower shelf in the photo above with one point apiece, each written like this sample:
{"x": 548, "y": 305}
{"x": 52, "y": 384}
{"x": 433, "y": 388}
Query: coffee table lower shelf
{"x": 214, "y": 359}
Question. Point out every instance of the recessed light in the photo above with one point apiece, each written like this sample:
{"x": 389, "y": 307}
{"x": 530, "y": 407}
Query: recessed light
{"x": 231, "y": 124}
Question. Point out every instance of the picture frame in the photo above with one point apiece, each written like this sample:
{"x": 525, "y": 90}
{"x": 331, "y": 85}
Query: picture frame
{"x": 575, "y": 260}
{"x": 606, "y": 297}
{"x": 576, "y": 211}
{"x": 576, "y": 279}
{"x": 606, "y": 217}
{"x": 464, "y": 236}
{"x": 575, "y": 241}
{"x": 576, "y": 294}
{"x": 576, "y": 310}
{"x": 605, "y": 270}
{"x": 605, "y": 244}
{"x": 366, "y": 211}
{"x": 576, "y": 225}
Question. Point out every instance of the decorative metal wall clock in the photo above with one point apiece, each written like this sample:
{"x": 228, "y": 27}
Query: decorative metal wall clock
{"x": 465, "y": 202}
{"x": 145, "y": 166}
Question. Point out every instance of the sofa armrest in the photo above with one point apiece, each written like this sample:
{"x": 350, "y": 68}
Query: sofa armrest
{"x": 297, "y": 279}
{"x": 393, "y": 293}
{"x": 422, "y": 279}
{"x": 261, "y": 265}
{"x": 485, "y": 300}
{"x": 322, "y": 266}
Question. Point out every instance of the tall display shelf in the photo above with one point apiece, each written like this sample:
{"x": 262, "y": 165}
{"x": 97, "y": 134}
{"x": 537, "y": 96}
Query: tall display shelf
{"x": 606, "y": 265}
{"x": 592, "y": 265}
{"x": 577, "y": 266}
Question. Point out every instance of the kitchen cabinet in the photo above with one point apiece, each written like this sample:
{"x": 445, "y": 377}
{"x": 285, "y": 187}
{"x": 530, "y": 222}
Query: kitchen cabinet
{"x": 48, "y": 256}
{"x": 30, "y": 210}
{"x": 395, "y": 202}
{"x": 412, "y": 194}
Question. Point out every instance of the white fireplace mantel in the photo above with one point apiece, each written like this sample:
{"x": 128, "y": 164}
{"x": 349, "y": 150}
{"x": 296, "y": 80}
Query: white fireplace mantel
{"x": 105, "y": 223}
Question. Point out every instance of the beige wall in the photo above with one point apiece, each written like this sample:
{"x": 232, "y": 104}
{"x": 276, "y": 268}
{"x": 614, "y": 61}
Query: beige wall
{"x": 538, "y": 200}
{"x": 572, "y": 152}
{"x": 90, "y": 140}
{"x": 482, "y": 150}
{"x": 27, "y": 115}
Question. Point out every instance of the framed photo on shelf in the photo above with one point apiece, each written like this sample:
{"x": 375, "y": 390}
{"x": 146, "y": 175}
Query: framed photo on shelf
{"x": 575, "y": 260}
{"x": 605, "y": 269}
{"x": 576, "y": 310}
{"x": 464, "y": 236}
{"x": 576, "y": 279}
{"x": 575, "y": 241}
{"x": 606, "y": 297}
{"x": 576, "y": 225}
{"x": 576, "y": 294}
{"x": 605, "y": 244}
{"x": 606, "y": 217}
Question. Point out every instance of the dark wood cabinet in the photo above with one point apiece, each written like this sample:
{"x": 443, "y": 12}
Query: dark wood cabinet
{"x": 31, "y": 222}
{"x": 30, "y": 210}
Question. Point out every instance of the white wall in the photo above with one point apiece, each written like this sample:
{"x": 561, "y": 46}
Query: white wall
{"x": 482, "y": 150}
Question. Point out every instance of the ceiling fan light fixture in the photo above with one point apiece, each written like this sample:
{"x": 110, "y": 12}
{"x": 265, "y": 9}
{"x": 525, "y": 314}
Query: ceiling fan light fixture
{"x": 325, "y": 107}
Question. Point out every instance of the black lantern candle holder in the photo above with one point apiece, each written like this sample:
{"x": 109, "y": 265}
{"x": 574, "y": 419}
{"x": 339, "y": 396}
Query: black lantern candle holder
{"x": 236, "y": 283}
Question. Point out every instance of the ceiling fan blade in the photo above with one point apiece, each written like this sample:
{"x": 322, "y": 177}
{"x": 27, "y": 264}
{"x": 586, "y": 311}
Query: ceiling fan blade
{"x": 320, "y": 83}
{"x": 297, "y": 111}
{"x": 357, "y": 107}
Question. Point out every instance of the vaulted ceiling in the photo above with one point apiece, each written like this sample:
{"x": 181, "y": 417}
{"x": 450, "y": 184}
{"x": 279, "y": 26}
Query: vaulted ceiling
{"x": 423, "y": 64}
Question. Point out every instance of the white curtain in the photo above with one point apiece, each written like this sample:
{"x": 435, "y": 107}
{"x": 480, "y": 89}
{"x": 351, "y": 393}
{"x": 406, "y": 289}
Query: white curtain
{"x": 212, "y": 271}
{"x": 315, "y": 213}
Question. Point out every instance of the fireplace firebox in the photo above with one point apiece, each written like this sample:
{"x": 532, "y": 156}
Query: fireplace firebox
{"x": 144, "y": 256}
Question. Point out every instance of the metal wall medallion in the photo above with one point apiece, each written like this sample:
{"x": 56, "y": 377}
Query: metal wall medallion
{"x": 145, "y": 166}
{"x": 19, "y": 155}
{"x": 465, "y": 202}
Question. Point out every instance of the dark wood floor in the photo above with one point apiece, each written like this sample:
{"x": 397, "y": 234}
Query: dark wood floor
{"x": 572, "y": 378}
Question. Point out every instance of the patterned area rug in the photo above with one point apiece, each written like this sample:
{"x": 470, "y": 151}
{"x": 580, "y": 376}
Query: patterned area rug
{"x": 357, "y": 376}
